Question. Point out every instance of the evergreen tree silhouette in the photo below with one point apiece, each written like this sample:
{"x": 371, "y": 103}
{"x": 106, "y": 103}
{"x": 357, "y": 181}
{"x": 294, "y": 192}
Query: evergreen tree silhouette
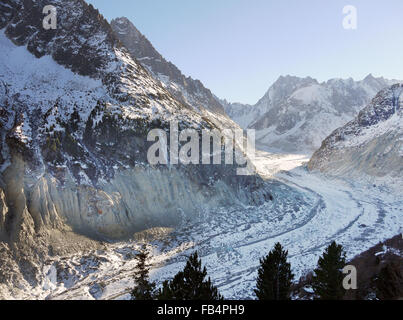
{"x": 144, "y": 290}
{"x": 190, "y": 284}
{"x": 389, "y": 282}
{"x": 327, "y": 282}
{"x": 274, "y": 276}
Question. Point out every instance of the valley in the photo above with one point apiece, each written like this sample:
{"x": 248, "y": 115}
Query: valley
{"x": 81, "y": 108}
{"x": 309, "y": 211}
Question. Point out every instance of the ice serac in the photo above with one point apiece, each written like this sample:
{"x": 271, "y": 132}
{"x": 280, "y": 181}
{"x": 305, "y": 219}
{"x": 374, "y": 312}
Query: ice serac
{"x": 75, "y": 111}
{"x": 296, "y": 114}
{"x": 189, "y": 91}
{"x": 371, "y": 144}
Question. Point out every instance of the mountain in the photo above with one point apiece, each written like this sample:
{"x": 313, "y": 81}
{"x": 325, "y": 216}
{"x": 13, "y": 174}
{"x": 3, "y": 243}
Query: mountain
{"x": 75, "y": 111}
{"x": 242, "y": 114}
{"x": 185, "y": 89}
{"x": 371, "y": 144}
{"x": 78, "y": 195}
{"x": 296, "y": 114}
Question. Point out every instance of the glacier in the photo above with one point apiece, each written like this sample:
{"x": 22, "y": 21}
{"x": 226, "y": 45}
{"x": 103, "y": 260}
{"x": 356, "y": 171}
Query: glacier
{"x": 311, "y": 210}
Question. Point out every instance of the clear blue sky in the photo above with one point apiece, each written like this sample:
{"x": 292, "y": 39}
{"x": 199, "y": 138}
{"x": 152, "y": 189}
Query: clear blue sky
{"x": 238, "y": 48}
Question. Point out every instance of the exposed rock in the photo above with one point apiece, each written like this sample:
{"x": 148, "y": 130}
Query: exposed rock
{"x": 371, "y": 144}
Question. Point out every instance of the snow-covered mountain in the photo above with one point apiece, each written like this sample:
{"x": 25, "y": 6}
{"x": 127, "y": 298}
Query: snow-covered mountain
{"x": 75, "y": 111}
{"x": 371, "y": 144}
{"x": 242, "y": 114}
{"x": 296, "y": 114}
{"x": 185, "y": 89}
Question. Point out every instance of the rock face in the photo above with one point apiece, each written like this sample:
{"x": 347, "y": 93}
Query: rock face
{"x": 371, "y": 144}
{"x": 242, "y": 114}
{"x": 185, "y": 89}
{"x": 296, "y": 114}
{"x": 75, "y": 111}
{"x": 68, "y": 44}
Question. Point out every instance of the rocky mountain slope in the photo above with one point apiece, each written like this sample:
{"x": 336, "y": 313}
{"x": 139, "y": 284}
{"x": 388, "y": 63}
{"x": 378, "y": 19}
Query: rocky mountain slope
{"x": 371, "y": 144}
{"x": 296, "y": 114}
{"x": 185, "y": 89}
{"x": 75, "y": 110}
{"x": 385, "y": 258}
{"x": 242, "y": 114}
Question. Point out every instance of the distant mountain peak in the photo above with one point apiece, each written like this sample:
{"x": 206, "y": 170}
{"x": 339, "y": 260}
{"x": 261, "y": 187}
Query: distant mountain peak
{"x": 296, "y": 114}
{"x": 369, "y": 77}
{"x": 122, "y": 20}
{"x": 290, "y": 79}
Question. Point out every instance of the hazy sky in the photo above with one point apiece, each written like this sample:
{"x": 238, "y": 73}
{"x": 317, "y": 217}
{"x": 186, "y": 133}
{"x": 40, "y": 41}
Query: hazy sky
{"x": 238, "y": 48}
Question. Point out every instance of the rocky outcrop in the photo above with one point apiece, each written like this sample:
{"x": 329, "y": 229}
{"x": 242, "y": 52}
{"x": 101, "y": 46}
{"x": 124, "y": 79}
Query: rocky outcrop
{"x": 371, "y": 144}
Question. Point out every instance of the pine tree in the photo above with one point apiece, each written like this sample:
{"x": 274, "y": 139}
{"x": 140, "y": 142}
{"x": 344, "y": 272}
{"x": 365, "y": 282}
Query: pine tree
{"x": 190, "y": 284}
{"x": 144, "y": 290}
{"x": 389, "y": 282}
{"x": 274, "y": 276}
{"x": 327, "y": 282}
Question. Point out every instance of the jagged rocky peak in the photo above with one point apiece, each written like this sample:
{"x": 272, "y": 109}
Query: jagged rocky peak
{"x": 189, "y": 91}
{"x": 283, "y": 87}
{"x": 372, "y": 143}
{"x": 370, "y": 79}
{"x": 123, "y": 26}
{"x": 291, "y": 83}
{"x": 134, "y": 40}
